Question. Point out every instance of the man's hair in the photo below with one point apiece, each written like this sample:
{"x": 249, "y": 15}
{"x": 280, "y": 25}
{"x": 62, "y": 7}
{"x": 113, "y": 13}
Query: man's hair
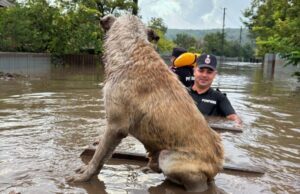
{"x": 177, "y": 51}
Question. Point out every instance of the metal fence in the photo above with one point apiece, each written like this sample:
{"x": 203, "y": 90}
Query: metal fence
{"x": 81, "y": 59}
{"x": 275, "y": 66}
{"x": 39, "y": 64}
{"x": 25, "y": 63}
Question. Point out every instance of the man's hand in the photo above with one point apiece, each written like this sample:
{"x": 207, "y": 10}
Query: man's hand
{"x": 236, "y": 119}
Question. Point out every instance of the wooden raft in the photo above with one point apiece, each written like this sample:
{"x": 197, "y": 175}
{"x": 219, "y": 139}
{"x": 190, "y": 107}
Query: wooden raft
{"x": 139, "y": 157}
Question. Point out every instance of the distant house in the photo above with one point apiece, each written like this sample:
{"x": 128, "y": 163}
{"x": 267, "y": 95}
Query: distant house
{"x": 5, "y": 3}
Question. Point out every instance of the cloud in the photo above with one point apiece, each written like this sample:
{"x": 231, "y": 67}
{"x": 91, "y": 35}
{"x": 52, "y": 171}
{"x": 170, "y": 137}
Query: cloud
{"x": 194, "y": 14}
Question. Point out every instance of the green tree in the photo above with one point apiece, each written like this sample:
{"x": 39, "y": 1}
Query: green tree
{"x": 103, "y": 7}
{"x": 78, "y": 31}
{"x": 40, "y": 17}
{"x": 13, "y": 31}
{"x": 213, "y": 44}
{"x": 164, "y": 44}
{"x": 157, "y": 24}
{"x": 247, "y": 51}
{"x": 60, "y": 28}
{"x": 232, "y": 49}
{"x": 184, "y": 40}
{"x": 27, "y": 27}
{"x": 81, "y": 18}
{"x": 275, "y": 24}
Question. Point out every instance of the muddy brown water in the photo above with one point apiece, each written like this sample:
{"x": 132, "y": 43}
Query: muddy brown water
{"x": 46, "y": 121}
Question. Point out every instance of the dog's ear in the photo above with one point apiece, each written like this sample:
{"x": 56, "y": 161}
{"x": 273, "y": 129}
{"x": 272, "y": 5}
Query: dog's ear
{"x": 152, "y": 36}
{"x": 107, "y": 21}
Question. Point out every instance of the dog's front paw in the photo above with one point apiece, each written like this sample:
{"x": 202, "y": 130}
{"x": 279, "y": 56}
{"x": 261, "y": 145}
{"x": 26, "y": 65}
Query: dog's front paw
{"x": 83, "y": 174}
{"x": 82, "y": 169}
{"x": 78, "y": 178}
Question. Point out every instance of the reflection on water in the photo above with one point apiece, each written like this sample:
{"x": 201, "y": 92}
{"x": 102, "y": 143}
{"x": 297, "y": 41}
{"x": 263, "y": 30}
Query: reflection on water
{"x": 46, "y": 121}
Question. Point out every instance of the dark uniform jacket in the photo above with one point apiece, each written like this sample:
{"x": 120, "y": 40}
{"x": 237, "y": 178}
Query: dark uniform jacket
{"x": 212, "y": 103}
{"x": 185, "y": 75}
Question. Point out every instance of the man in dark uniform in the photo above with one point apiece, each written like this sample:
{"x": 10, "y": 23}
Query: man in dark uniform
{"x": 185, "y": 73}
{"x": 209, "y": 101}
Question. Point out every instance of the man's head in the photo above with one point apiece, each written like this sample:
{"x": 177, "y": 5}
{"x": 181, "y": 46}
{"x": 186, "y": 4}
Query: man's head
{"x": 205, "y": 70}
{"x": 177, "y": 51}
{"x": 206, "y": 60}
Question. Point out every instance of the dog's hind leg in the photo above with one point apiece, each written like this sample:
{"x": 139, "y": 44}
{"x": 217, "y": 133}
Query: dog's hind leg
{"x": 177, "y": 168}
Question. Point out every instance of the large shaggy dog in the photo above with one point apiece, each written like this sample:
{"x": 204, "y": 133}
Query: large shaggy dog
{"x": 145, "y": 99}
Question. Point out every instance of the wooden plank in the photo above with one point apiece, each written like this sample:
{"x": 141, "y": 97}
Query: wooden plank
{"x": 227, "y": 168}
{"x": 243, "y": 169}
{"x": 222, "y": 128}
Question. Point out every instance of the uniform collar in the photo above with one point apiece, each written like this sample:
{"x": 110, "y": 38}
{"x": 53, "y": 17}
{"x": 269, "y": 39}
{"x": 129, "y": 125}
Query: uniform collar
{"x": 194, "y": 91}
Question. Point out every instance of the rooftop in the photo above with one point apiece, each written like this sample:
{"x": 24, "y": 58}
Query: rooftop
{"x": 5, "y": 3}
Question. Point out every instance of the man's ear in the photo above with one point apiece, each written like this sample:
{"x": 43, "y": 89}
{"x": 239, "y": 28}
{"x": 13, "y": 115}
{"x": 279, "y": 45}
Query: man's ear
{"x": 107, "y": 21}
{"x": 152, "y": 36}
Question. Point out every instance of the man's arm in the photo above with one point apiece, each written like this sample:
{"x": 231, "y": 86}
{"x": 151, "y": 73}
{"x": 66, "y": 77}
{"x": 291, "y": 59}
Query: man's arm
{"x": 229, "y": 111}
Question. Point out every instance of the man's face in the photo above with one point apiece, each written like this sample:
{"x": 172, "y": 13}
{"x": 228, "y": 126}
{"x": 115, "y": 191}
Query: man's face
{"x": 204, "y": 76}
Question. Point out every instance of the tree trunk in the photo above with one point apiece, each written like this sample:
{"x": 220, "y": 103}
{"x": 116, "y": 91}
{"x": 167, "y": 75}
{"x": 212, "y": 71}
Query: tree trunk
{"x": 135, "y": 7}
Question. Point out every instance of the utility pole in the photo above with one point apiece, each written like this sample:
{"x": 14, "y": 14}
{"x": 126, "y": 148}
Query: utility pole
{"x": 241, "y": 30}
{"x": 240, "y": 51}
{"x": 223, "y": 34}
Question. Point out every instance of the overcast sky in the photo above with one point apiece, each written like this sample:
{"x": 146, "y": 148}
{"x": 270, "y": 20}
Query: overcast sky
{"x": 194, "y": 14}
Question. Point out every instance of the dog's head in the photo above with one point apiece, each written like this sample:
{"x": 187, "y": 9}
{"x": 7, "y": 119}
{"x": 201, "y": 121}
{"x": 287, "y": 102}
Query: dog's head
{"x": 152, "y": 35}
{"x": 107, "y": 21}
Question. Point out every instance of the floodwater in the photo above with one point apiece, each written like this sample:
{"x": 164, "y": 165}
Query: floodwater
{"x": 45, "y": 122}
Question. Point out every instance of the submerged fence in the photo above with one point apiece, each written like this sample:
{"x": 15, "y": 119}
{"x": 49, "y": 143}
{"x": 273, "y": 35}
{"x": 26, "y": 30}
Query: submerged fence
{"x": 81, "y": 59}
{"x": 275, "y": 66}
{"x": 25, "y": 63}
{"x": 40, "y": 64}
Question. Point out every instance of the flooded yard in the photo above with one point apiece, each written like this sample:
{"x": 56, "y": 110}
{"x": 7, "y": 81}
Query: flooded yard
{"x": 46, "y": 121}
